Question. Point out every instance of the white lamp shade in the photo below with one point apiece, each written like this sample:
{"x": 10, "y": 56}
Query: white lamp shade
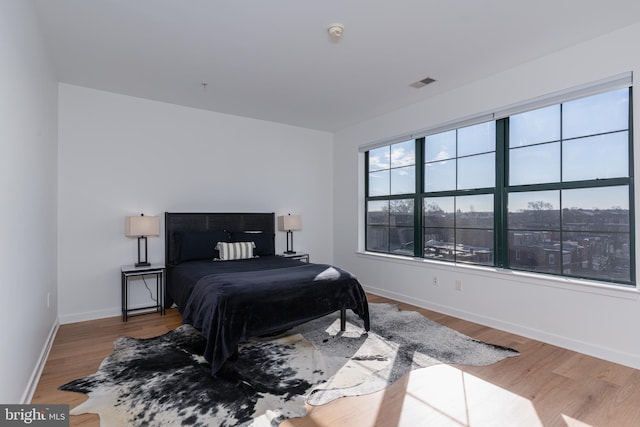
{"x": 289, "y": 222}
{"x": 136, "y": 226}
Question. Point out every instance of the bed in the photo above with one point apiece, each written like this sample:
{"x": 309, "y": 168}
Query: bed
{"x": 231, "y": 300}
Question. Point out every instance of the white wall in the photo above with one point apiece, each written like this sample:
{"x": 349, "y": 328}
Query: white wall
{"x": 598, "y": 320}
{"x": 120, "y": 155}
{"x": 28, "y": 132}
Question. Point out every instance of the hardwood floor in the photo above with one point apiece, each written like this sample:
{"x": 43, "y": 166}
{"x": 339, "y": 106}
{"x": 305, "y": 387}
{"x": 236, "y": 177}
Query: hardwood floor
{"x": 79, "y": 348}
{"x": 544, "y": 386}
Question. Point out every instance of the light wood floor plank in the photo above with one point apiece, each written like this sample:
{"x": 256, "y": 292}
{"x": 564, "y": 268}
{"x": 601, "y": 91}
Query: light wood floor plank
{"x": 544, "y": 386}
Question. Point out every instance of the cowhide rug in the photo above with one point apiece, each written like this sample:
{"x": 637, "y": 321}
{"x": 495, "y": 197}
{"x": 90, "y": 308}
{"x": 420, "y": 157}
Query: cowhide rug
{"x": 165, "y": 381}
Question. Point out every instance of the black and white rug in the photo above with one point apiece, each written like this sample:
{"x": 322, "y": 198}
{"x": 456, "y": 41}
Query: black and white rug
{"x": 165, "y": 381}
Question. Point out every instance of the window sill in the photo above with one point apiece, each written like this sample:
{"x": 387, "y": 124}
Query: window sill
{"x": 529, "y": 278}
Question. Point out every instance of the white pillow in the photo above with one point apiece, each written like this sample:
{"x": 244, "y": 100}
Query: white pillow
{"x": 235, "y": 250}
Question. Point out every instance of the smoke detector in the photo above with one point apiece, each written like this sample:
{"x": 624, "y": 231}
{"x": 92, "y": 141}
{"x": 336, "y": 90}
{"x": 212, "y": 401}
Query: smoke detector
{"x": 335, "y": 31}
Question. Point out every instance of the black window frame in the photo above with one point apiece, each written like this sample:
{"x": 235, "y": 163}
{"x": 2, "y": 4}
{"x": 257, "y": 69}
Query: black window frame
{"x": 501, "y": 192}
{"x": 391, "y": 197}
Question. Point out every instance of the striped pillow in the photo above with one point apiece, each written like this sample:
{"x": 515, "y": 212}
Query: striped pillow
{"x": 235, "y": 250}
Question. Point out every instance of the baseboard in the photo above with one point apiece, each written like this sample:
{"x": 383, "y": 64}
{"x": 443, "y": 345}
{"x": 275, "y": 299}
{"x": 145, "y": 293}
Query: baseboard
{"x": 42, "y": 360}
{"x": 89, "y": 315}
{"x": 98, "y": 314}
{"x": 622, "y": 358}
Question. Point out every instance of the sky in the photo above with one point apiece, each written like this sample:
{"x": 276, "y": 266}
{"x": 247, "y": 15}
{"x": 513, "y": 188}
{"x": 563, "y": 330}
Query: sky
{"x": 582, "y": 139}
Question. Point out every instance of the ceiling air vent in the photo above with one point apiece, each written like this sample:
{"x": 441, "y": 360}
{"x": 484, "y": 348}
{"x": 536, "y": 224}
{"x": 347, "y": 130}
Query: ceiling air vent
{"x": 423, "y": 82}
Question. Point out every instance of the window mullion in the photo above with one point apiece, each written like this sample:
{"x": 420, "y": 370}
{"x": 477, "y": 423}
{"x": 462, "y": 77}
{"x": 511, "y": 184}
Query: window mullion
{"x": 418, "y": 234}
{"x": 366, "y": 200}
{"x": 501, "y": 251}
{"x": 632, "y": 210}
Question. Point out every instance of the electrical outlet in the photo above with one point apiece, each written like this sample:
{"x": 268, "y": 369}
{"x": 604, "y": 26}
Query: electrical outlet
{"x": 458, "y": 285}
{"x": 435, "y": 280}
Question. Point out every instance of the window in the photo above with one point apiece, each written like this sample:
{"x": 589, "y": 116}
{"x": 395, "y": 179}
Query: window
{"x": 391, "y": 172}
{"x": 569, "y": 188}
{"x": 459, "y": 183}
{"x": 548, "y": 190}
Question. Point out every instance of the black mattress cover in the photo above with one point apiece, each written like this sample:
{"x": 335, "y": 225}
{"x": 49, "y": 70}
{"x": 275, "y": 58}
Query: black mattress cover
{"x": 232, "y": 301}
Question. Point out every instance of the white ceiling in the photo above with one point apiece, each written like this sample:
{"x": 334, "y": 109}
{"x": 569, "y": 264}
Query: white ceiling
{"x": 274, "y": 60}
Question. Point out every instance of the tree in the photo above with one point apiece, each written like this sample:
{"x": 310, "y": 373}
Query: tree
{"x": 401, "y": 206}
{"x": 432, "y": 208}
{"x": 539, "y": 206}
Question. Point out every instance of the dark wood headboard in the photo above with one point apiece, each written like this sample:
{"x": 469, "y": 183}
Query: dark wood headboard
{"x": 216, "y": 221}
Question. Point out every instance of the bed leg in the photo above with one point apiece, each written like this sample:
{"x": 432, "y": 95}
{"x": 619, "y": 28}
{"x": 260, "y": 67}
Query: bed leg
{"x": 343, "y": 319}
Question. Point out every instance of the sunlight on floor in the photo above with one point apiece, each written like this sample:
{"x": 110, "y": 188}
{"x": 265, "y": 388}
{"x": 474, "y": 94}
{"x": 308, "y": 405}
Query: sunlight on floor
{"x": 572, "y": 422}
{"x": 439, "y": 395}
{"x": 460, "y": 399}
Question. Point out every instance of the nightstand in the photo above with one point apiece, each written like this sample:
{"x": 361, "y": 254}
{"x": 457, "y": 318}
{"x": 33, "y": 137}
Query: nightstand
{"x": 300, "y": 256}
{"x": 129, "y": 271}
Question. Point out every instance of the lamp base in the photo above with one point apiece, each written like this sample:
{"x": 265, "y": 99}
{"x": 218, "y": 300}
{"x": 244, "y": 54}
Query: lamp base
{"x": 142, "y": 262}
{"x": 289, "y": 250}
